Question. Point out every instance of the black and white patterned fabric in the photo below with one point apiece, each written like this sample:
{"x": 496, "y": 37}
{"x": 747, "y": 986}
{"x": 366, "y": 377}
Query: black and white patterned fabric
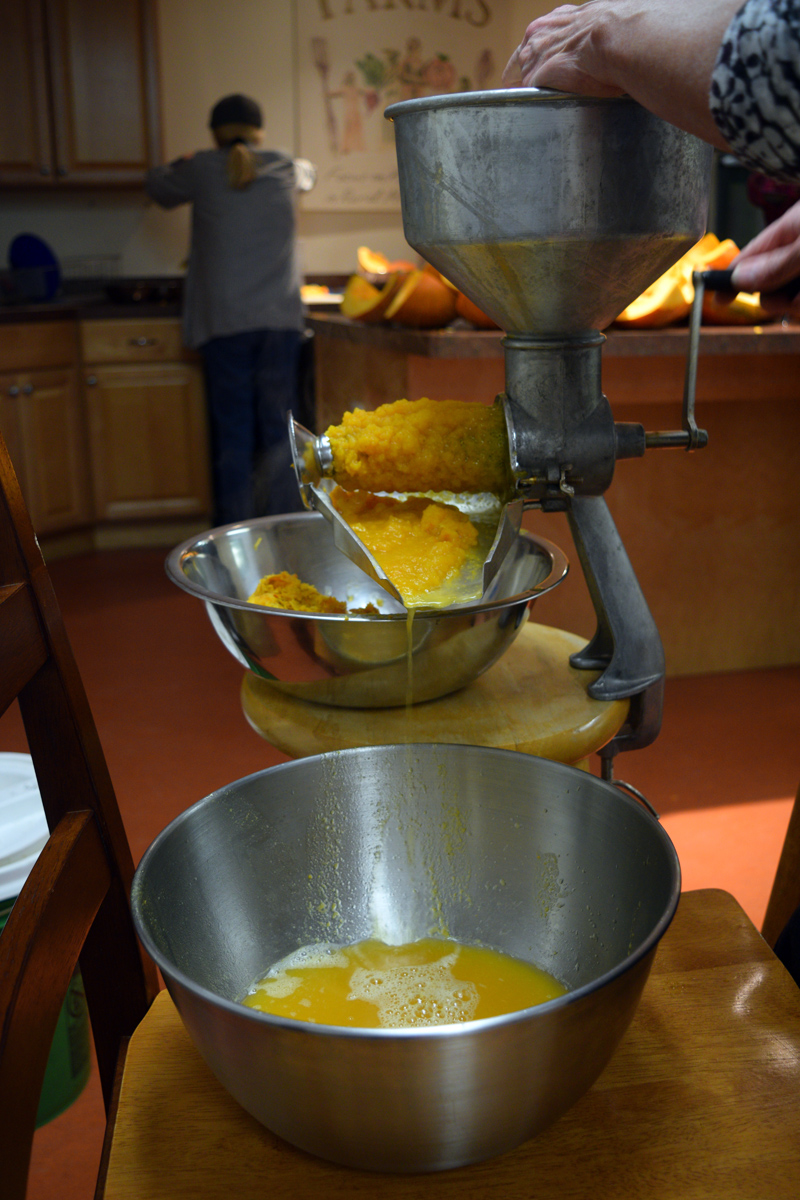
{"x": 755, "y": 87}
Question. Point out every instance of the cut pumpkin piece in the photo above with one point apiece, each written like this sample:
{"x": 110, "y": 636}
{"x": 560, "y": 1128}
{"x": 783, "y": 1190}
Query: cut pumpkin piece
{"x": 669, "y": 299}
{"x": 372, "y": 262}
{"x": 431, "y": 270}
{"x": 663, "y": 303}
{"x": 365, "y": 301}
{"x": 467, "y": 309}
{"x": 745, "y": 307}
{"x": 422, "y": 301}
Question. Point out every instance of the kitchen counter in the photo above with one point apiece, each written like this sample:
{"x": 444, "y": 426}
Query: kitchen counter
{"x": 87, "y": 300}
{"x": 83, "y": 308}
{"x": 463, "y": 342}
{"x": 714, "y": 536}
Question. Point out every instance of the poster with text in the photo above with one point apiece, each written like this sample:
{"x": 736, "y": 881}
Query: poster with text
{"x": 356, "y": 57}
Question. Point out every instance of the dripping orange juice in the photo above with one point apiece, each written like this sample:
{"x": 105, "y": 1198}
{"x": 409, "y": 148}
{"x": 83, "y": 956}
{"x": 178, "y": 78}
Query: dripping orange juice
{"x": 373, "y": 985}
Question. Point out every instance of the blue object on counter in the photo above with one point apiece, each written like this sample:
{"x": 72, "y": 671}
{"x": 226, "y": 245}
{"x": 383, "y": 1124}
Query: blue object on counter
{"x": 32, "y": 255}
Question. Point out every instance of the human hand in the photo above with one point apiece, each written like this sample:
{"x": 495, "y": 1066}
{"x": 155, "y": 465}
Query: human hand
{"x": 770, "y": 261}
{"x": 659, "y": 52}
{"x": 558, "y": 50}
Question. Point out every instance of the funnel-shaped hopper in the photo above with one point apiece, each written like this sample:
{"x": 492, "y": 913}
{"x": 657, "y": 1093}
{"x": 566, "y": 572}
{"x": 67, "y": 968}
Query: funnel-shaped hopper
{"x": 551, "y": 212}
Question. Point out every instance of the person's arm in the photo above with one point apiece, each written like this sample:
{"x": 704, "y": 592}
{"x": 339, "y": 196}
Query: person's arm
{"x": 171, "y": 184}
{"x": 660, "y": 52}
{"x": 305, "y": 174}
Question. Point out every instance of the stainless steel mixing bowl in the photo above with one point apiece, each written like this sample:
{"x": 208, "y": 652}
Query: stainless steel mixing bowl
{"x": 343, "y": 659}
{"x": 530, "y": 857}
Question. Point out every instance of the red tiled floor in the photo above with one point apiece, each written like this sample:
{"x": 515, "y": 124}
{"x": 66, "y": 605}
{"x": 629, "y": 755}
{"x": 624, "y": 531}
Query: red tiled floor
{"x": 165, "y": 696}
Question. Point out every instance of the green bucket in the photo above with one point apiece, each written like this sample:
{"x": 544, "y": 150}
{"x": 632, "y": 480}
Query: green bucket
{"x": 23, "y": 832}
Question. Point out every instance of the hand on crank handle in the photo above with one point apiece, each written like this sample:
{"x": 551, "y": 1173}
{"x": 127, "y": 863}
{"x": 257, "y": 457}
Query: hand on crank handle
{"x": 783, "y": 300}
{"x": 770, "y": 264}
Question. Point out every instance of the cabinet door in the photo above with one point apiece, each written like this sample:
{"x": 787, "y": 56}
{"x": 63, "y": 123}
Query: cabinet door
{"x": 149, "y": 442}
{"x": 43, "y": 424}
{"x": 105, "y": 89}
{"x": 26, "y": 154}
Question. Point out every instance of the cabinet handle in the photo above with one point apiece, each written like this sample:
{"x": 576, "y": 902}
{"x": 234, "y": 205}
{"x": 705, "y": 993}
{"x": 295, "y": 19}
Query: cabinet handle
{"x": 27, "y": 389}
{"x": 91, "y": 380}
{"x": 13, "y": 390}
{"x": 142, "y": 341}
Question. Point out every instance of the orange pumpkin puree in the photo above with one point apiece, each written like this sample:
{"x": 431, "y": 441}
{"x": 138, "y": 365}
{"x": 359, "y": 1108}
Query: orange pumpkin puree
{"x": 373, "y": 985}
{"x": 289, "y": 592}
{"x": 422, "y": 446}
{"x": 419, "y": 543}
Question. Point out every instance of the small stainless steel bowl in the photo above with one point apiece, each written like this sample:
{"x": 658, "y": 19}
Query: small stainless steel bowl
{"x": 531, "y": 857}
{"x": 352, "y": 660}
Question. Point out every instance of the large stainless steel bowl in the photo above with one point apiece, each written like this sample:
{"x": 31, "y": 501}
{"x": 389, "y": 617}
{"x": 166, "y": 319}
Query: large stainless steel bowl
{"x": 528, "y": 856}
{"x": 348, "y": 660}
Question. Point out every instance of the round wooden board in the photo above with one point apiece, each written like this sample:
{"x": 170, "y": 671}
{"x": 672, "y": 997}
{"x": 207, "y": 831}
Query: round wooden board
{"x": 532, "y": 700}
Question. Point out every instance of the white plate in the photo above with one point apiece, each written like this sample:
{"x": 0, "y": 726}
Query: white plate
{"x": 23, "y": 825}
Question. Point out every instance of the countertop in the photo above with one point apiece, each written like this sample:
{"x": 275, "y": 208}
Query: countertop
{"x": 457, "y": 341}
{"x": 91, "y": 306}
{"x": 87, "y": 300}
{"x": 454, "y": 342}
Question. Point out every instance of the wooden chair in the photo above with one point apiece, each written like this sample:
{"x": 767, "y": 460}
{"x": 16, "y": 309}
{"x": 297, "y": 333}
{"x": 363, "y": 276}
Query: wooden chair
{"x": 784, "y": 898}
{"x": 75, "y": 902}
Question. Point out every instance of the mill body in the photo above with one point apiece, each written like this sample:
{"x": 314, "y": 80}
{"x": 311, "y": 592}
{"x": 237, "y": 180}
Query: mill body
{"x": 553, "y": 212}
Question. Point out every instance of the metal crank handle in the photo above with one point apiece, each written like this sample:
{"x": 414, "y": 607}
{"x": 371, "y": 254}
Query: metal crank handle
{"x": 690, "y": 437}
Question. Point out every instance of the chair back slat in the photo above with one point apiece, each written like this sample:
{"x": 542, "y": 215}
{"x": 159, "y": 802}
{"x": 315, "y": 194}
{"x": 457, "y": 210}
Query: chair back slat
{"x": 40, "y": 946}
{"x": 22, "y": 647}
{"x": 75, "y": 903}
{"x": 784, "y": 898}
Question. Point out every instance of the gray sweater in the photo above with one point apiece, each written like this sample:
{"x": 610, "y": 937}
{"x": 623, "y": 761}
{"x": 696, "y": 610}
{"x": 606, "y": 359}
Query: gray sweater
{"x": 242, "y": 271}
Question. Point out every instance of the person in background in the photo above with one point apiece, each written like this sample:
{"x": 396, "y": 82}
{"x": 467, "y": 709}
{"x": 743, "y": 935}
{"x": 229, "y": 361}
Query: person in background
{"x": 726, "y": 71}
{"x": 242, "y": 306}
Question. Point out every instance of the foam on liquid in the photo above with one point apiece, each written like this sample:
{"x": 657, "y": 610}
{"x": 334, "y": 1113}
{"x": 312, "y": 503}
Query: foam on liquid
{"x": 373, "y": 985}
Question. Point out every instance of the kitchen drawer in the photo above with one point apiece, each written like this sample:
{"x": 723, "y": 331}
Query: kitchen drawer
{"x": 151, "y": 339}
{"x": 38, "y": 345}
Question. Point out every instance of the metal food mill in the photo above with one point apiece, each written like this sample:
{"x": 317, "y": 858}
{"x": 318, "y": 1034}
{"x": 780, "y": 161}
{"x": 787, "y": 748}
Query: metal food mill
{"x": 552, "y": 212}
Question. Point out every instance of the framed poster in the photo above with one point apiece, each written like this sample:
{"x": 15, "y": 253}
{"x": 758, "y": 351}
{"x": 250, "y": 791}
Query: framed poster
{"x": 355, "y": 57}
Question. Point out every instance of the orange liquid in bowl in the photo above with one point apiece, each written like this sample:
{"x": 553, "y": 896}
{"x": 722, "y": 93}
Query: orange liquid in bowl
{"x": 372, "y": 985}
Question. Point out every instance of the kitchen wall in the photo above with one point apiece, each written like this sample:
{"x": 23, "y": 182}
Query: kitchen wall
{"x": 208, "y": 49}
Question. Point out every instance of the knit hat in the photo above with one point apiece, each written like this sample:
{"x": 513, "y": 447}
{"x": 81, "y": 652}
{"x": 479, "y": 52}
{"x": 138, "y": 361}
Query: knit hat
{"x": 235, "y": 110}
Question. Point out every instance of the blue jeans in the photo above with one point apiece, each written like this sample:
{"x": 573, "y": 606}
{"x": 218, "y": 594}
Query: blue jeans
{"x": 251, "y": 386}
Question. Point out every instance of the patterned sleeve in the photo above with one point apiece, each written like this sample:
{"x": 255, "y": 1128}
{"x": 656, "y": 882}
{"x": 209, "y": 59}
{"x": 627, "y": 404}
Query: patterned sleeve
{"x": 755, "y": 87}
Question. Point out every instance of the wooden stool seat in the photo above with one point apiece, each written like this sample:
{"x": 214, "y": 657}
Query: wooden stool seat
{"x": 532, "y": 700}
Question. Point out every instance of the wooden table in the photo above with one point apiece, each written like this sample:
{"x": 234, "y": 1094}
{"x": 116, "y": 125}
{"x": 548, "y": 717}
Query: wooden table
{"x": 700, "y": 1102}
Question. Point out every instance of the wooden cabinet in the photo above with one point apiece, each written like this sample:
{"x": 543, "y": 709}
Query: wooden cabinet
{"x": 80, "y": 77}
{"x": 41, "y": 418}
{"x": 147, "y": 421}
